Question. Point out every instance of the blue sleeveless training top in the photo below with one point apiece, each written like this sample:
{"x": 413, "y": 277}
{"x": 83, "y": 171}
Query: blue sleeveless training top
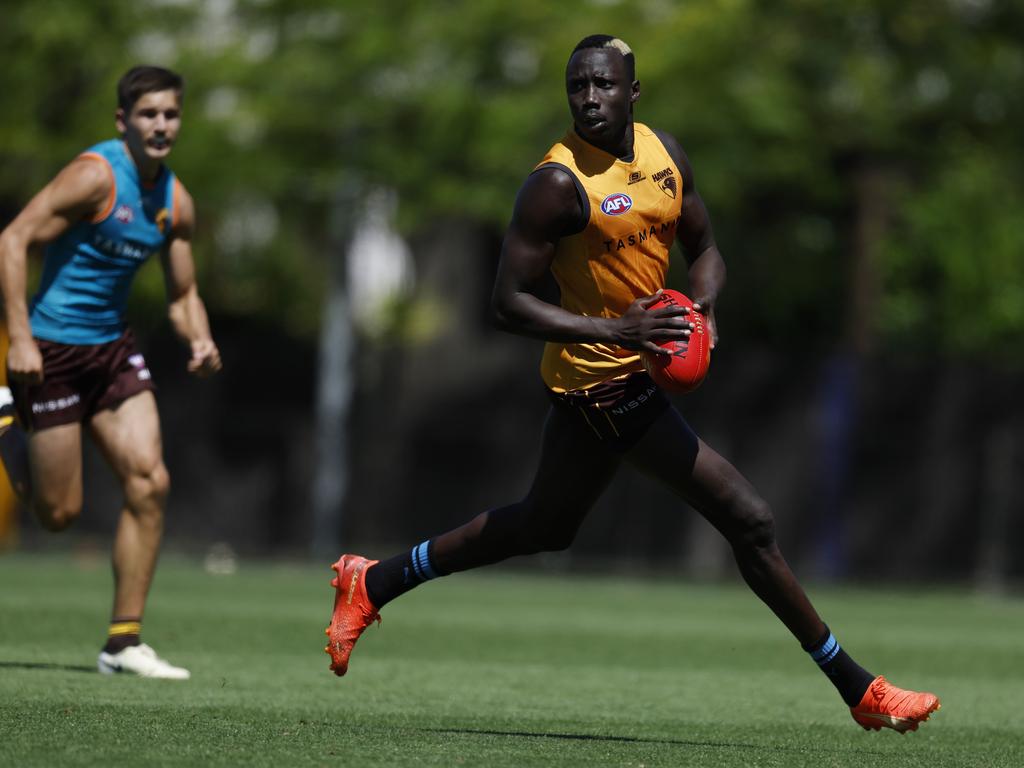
{"x": 88, "y": 271}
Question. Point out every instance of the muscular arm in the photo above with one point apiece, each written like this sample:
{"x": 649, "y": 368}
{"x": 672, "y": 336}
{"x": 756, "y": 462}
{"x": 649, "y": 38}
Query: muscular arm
{"x": 80, "y": 191}
{"x": 185, "y": 308}
{"x": 706, "y": 271}
{"x": 547, "y": 209}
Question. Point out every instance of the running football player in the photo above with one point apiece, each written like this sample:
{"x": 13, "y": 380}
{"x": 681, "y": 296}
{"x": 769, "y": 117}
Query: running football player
{"x": 72, "y": 361}
{"x": 600, "y": 212}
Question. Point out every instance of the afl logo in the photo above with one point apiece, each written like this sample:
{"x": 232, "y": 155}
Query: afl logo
{"x": 616, "y": 204}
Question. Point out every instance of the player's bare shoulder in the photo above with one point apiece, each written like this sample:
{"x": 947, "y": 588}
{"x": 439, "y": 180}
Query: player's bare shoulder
{"x": 83, "y": 190}
{"x": 84, "y": 186}
{"x": 675, "y": 151}
{"x": 551, "y": 183}
{"x": 549, "y": 199}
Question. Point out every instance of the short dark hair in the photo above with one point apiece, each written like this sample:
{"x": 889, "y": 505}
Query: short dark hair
{"x": 141, "y": 80}
{"x": 607, "y": 41}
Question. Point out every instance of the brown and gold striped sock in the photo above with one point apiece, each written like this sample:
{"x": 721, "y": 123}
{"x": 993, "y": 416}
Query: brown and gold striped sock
{"x": 124, "y": 632}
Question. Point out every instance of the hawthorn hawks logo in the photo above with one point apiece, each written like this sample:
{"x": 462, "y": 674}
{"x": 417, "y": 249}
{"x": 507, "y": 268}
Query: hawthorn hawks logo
{"x": 666, "y": 181}
{"x": 616, "y": 203}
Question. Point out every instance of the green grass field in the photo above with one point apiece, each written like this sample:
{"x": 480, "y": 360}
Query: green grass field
{"x": 492, "y": 669}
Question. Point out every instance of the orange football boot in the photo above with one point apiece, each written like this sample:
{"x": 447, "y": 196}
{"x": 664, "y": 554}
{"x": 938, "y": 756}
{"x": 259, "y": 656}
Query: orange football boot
{"x": 886, "y": 705}
{"x": 353, "y": 611}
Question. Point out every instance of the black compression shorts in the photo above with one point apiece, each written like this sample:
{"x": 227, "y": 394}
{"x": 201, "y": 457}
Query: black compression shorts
{"x": 616, "y": 412}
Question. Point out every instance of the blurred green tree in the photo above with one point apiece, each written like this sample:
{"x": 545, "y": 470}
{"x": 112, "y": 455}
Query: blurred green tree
{"x": 861, "y": 160}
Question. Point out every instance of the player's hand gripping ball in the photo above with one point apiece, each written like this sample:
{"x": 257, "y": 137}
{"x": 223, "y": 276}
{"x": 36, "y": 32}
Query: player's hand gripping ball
{"x": 685, "y": 368}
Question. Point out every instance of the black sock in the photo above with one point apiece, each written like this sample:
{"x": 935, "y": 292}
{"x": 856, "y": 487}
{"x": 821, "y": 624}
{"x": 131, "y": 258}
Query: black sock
{"x": 397, "y": 575}
{"x": 849, "y": 677}
{"x": 124, "y": 632}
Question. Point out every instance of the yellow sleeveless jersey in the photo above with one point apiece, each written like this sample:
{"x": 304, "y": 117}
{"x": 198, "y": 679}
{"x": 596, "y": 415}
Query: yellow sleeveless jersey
{"x": 620, "y": 255}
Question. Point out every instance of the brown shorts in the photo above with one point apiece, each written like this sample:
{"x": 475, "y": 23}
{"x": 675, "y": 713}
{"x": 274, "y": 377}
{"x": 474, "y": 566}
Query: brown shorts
{"x": 79, "y": 380}
{"x": 617, "y": 413}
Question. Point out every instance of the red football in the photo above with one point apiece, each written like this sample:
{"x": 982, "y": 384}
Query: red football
{"x": 686, "y": 367}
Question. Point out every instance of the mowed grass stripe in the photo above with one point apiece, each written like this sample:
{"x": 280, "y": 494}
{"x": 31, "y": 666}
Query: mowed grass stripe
{"x": 494, "y": 668}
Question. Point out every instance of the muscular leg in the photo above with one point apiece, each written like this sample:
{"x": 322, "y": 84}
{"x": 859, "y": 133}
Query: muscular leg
{"x": 573, "y": 470}
{"x": 129, "y": 437}
{"x": 670, "y": 452}
{"x": 55, "y": 459}
{"x": 729, "y": 502}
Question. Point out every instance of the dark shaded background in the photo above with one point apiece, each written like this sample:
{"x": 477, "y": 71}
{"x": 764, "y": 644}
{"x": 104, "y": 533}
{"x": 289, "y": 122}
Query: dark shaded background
{"x": 863, "y": 169}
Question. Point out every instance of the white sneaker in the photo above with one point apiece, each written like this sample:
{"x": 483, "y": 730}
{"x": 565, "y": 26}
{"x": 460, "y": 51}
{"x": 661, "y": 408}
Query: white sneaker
{"x": 6, "y": 408}
{"x": 140, "y": 660}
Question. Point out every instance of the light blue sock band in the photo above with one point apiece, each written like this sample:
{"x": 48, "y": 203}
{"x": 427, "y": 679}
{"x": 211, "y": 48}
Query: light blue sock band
{"x": 826, "y": 652}
{"x": 421, "y": 562}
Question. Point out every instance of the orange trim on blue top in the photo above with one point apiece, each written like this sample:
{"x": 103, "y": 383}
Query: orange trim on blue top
{"x": 176, "y": 192}
{"x": 112, "y": 198}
